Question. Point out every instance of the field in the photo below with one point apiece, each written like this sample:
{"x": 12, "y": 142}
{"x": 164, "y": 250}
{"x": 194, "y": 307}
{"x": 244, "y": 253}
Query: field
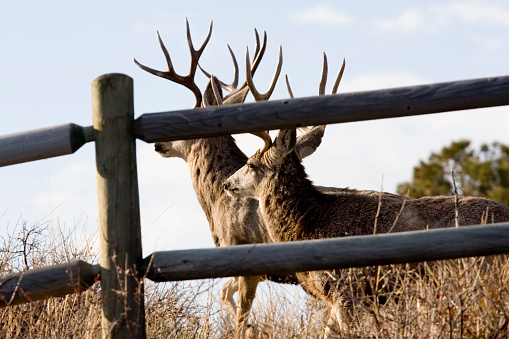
{"x": 463, "y": 298}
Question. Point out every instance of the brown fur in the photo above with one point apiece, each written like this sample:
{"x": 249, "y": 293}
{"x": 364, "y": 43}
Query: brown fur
{"x": 211, "y": 161}
{"x": 232, "y": 221}
{"x": 293, "y": 209}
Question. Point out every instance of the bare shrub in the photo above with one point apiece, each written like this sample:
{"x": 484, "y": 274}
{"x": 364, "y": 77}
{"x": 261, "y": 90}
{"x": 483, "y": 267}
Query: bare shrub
{"x": 462, "y": 298}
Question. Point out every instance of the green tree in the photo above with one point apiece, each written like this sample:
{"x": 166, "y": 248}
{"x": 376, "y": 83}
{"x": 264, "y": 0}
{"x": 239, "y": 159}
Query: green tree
{"x": 482, "y": 173}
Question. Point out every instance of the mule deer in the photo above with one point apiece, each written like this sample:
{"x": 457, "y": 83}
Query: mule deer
{"x": 211, "y": 161}
{"x": 293, "y": 209}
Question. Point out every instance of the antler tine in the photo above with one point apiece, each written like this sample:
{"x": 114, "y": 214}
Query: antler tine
{"x": 249, "y": 78}
{"x": 288, "y": 86}
{"x": 195, "y": 54}
{"x": 168, "y": 74}
{"x": 265, "y": 136}
{"x": 188, "y": 80}
{"x": 250, "y": 70}
{"x": 338, "y": 78}
{"x": 323, "y": 80}
{"x": 233, "y": 86}
{"x": 303, "y": 129}
{"x": 166, "y": 54}
{"x": 259, "y": 52}
{"x": 257, "y": 38}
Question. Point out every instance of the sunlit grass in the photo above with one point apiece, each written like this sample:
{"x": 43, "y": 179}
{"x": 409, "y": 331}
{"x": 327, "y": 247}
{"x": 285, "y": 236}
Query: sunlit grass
{"x": 463, "y": 298}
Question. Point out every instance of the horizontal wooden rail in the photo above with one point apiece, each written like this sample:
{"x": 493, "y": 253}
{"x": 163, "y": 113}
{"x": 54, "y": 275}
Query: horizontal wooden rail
{"x": 325, "y": 254}
{"x": 43, "y": 143}
{"x": 349, "y": 107}
{"x": 213, "y": 121}
{"x": 41, "y": 283}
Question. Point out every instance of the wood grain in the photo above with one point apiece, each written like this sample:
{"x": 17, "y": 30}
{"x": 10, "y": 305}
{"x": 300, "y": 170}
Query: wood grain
{"x": 340, "y": 108}
{"x": 118, "y": 212}
{"x": 42, "y": 283}
{"x": 358, "y": 251}
{"x": 43, "y": 143}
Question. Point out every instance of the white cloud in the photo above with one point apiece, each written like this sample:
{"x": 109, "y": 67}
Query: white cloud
{"x": 489, "y": 43}
{"x": 435, "y": 17}
{"x": 374, "y": 81}
{"x": 410, "y": 20}
{"x": 477, "y": 12}
{"x": 323, "y": 15}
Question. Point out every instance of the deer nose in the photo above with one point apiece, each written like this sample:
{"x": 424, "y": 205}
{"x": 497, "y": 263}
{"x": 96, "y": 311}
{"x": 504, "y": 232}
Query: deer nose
{"x": 158, "y": 147}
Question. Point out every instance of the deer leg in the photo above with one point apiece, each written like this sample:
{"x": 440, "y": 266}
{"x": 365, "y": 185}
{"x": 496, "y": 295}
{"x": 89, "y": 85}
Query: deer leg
{"x": 338, "y": 322}
{"x": 324, "y": 285}
{"x": 226, "y": 294}
{"x": 247, "y": 291}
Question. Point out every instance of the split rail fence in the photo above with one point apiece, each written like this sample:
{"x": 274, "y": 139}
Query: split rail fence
{"x": 122, "y": 267}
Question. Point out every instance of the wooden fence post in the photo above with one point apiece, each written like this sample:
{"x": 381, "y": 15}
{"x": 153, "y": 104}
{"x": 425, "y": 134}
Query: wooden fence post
{"x": 119, "y": 216}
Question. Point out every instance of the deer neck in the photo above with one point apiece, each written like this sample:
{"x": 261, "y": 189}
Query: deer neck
{"x": 289, "y": 203}
{"x": 211, "y": 161}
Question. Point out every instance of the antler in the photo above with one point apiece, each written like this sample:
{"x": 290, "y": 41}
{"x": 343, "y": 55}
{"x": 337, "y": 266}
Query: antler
{"x": 321, "y": 87}
{"x": 303, "y": 129}
{"x": 188, "y": 80}
{"x": 263, "y": 97}
{"x": 249, "y": 78}
{"x": 323, "y": 81}
{"x": 248, "y": 84}
{"x": 259, "y": 52}
{"x": 233, "y": 86}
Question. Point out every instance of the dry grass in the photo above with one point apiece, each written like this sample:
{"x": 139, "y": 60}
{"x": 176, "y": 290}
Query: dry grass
{"x": 463, "y": 298}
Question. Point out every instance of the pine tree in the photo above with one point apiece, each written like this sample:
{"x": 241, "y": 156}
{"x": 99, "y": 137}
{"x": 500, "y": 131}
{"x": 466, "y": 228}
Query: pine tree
{"x": 482, "y": 173}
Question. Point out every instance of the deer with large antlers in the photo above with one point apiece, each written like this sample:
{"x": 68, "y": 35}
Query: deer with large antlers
{"x": 211, "y": 161}
{"x": 293, "y": 209}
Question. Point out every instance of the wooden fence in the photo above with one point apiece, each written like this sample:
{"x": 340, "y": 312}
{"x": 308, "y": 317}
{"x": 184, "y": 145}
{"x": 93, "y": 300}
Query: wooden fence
{"x": 122, "y": 267}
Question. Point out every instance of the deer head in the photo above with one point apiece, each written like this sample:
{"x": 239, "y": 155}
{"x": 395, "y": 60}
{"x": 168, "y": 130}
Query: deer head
{"x": 213, "y": 94}
{"x": 264, "y": 165}
{"x": 267, "y": 162}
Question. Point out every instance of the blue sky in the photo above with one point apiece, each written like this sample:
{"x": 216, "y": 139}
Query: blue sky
{"x": 51, "y": 51}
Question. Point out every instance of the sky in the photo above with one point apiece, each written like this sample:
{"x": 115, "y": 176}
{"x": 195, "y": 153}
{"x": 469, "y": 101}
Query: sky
{"x": 51, "y": 52}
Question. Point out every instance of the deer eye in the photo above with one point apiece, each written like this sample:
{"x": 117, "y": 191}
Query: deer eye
{"x": 253, "y": 165}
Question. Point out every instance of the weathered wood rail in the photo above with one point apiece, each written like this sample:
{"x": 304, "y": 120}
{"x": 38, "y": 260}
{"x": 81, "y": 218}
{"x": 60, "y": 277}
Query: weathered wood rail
{"x": 43, "y": 143}
{"x": 41, "y": 283}
{"x": 121, "y": 263}
{"x": 324, "y": 254}
{"x": 231, "y": 119}
{"x": 330, "y": 109}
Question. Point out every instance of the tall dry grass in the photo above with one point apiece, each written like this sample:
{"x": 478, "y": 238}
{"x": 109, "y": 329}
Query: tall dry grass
{"x": 463, "y": 298}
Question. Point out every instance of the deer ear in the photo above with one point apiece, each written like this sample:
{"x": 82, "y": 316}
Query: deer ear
{"x": 237, "y": 97}
{"x": 208, "y": 95}
{"x": 285, "y": 141}
{"x": 309, "y": 142}
{"x": 283, "y": 144}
